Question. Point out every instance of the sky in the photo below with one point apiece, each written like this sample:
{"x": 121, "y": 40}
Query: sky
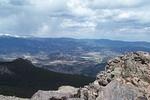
{"x": 101, "y": 19}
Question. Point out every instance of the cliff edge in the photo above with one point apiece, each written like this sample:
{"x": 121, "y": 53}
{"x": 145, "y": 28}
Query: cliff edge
{"x": 126, "y": 77}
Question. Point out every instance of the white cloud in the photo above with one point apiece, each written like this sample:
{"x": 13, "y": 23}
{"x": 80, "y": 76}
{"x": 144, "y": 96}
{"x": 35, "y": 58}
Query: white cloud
{"x": 124, "y": 15}
{"x": 79, "y": 7}
{"x": 76, "y": 18}
{"x": 43, "y": 30}
{"x": 48, "y": 5}
{"x": 69, "y": 23}
{"x": 4, "y": 2}
{"x": 115, "y": 3}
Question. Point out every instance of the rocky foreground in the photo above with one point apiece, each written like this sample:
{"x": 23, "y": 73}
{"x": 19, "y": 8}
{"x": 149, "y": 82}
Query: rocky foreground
{"x": 125, "y": 78}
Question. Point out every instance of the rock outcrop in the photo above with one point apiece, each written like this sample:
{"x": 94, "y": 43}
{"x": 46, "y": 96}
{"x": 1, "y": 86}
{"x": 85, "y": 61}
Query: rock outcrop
{"x": 11, "y": 98}
{"x": 63, "y": 93}
{"x": 125, "y": 78}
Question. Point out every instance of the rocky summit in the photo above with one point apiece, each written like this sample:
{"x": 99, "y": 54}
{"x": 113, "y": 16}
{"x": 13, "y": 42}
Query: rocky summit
{"x": 126, "y": 77}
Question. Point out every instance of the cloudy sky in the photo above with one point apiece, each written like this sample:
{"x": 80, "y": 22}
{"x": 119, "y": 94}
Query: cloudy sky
{"x": 109, "y": 19}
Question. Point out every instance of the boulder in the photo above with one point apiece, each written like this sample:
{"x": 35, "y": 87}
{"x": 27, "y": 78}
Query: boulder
{"x": 62, "y": 93}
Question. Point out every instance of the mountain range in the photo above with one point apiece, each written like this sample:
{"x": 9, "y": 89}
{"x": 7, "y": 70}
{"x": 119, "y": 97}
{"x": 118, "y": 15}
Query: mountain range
{"x": 33, "y": 45}
{"x": 66, "y": 55}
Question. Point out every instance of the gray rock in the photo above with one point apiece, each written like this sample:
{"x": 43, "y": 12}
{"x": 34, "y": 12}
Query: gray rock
{"x": 125, "y": 78}
{"x": 63, "y": 93}
{"x": 118, "y": 91}
{"x": 11, "y": 98}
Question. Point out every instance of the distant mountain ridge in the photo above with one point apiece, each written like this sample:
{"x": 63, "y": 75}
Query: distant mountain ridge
{"x": 67, "y": 55}
{"x": 11, "y": 44}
